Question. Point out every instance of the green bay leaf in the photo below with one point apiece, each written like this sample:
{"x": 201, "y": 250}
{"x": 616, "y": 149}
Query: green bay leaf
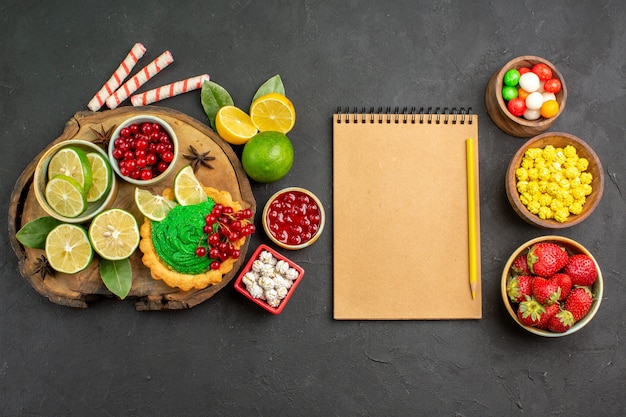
{"x": 273, "y": 85}
{"x": 33, "y": 234}
{"x": 213, "y": 97}
{"x": 117, "y": 276}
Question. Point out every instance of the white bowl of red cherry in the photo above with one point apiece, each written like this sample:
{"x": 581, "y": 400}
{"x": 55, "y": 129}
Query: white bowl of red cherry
{"x": 293, "y": 218}
{"x": 143, "y": 150}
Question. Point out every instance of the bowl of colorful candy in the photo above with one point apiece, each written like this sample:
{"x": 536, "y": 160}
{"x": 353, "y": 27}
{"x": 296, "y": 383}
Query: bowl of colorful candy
{"x": 293, "y": 218}
{"x": 555, "y": 180}
{"x": 143, "y": 150}
{"x": 552, "y": 286}
{"x": 74, "y": 181}
{"x": 269, "y": 279}
{"x": 526, "y": 96}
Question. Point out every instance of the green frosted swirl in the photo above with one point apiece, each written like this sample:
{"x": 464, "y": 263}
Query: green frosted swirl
{"x": 176, "y": 238}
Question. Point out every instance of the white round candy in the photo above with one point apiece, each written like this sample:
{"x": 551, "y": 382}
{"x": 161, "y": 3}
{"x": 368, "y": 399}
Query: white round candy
{"x": 548, "y": 96}
{"x": 529, "y": 81}
{"x": 534, "y": 101}
{"x": 532, "y": 114}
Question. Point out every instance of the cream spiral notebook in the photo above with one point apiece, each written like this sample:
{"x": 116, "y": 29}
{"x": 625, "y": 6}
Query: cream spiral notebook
{"x": 402, "y": 214}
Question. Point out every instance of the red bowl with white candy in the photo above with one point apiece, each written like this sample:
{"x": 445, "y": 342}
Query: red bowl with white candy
{"x": 293, "y": 218}
{"x": 143, "y": 150}
{"x": 269, "y": 279}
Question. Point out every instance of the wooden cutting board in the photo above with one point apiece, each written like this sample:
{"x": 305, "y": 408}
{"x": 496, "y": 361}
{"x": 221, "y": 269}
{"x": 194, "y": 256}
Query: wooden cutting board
{"x": 78, "y": 290}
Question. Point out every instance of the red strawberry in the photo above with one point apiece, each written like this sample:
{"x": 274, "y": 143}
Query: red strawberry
{"x": 546, "y": 258}
{"x": 520, "y": 265}
{"x": 551, "y": 310}
{"x": 530, "y": 311}
{"x": 519, "y": 287}
{"x": 579, "y": 302}
{"x": 581, "y": 269}
{"x": 564, "y": 282}
{"x": 545, "y": 291}
{"x": 561, "y": 321}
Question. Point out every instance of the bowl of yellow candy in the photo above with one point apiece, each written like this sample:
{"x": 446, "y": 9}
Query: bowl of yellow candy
{"x": 555, "y": 180}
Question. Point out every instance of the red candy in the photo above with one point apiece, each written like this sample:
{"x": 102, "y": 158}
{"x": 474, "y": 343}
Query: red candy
{"x": 552, "y": 86}
{"x": 517, "y": 107}
{"x": 543, "y": 71}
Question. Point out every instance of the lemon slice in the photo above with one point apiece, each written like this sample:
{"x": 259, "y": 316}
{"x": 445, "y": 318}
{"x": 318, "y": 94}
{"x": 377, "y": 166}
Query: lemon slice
{"x": 71, "y": 162}
{"x": 114, "y": 234}
{"x": 101, "y": 175}
{"x": 234, "y": 125}
{"x": 187, "y": 188}
{"x": 154, "y": 207}
{"x": 273, "y": 112}
{"x": 65, "y": 195}
{"x": 68, "y": 249}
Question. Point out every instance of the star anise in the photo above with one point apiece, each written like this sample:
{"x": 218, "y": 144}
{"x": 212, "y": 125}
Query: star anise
{"x": 198, "y": 158}
{"x": 42, "y": 267}
{"x": 103, "y": 137}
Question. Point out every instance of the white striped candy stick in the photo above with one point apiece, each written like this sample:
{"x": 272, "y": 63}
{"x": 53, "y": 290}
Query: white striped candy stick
{"x": 118, "y": 77}
{"x": 139, "y": 79}
{"x": 169, "y": 90}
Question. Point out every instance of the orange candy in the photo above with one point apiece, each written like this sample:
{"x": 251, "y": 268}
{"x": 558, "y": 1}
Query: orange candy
{"x": 549, "y": 108}
{"x": 521, "y": 93}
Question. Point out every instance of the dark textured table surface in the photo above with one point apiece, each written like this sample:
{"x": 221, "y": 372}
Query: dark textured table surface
{"x": 227, "y": 356}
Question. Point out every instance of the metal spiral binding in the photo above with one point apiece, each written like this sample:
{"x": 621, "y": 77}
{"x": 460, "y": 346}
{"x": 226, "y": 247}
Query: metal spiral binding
{"x": 394, "y": 115}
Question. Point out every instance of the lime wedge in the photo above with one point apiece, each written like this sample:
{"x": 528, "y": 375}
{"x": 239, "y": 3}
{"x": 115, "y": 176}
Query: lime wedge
{"x": 154, "y": 207}
{"x": 187, "y": 189}
{"x": 71, "y": 162}
{"x": 68, "y": 249}
{"x": 66, "y": 196}
{"x": 101, "y": 175}
{"x": 114, "y": 234}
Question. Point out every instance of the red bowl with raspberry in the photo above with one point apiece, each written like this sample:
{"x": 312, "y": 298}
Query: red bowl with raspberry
{"x": 143, "y": 150}
{"x": 293, "y": 218}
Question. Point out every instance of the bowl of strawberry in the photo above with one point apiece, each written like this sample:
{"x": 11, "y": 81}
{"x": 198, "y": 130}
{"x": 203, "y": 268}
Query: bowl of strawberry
{"x": 552, "y": 286}
{"x": 143, "y": 150}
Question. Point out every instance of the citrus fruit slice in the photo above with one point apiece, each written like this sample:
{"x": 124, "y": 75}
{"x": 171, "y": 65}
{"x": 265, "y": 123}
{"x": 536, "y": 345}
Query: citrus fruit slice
{"x": 72, "y": 162}
{"x": 68, "y": 249}
{"x": 66, "y": 196}
{"x": 101, "y": 176}
{"x": 154, "y": 207}
{"x": 273, "y": 112}
{"x": 187, "y": 188}
{"x": 114, "y": 234}
{"x": 267, "y": 157}
{"x": 234, "y": 125}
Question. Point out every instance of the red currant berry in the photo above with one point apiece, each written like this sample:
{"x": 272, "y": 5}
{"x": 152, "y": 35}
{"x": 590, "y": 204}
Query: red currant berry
{"x": 215, "y": 265}
{"x": 167, "y": 156}
{"x": 162, "y": 166}
{"x": 146, "y": 174}
{"x": 200, "y": 251}
{"x": 213, "y": 239}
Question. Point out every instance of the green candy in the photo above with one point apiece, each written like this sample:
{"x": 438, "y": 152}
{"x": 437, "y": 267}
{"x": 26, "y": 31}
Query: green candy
{"x": 509, "y": 93}
{"x": 511, "y": 77}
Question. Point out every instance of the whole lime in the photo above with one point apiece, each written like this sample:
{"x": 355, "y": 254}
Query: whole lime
{"x": 267, "y": 157}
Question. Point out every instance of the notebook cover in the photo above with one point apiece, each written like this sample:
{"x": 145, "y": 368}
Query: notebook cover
{"x": 400, "y": 218}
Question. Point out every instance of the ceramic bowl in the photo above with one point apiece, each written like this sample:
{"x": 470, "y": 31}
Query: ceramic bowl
{"x": 572, "y": 248}
{"x": 557, "y": 140}
{"x": 497, "y": 107}
{"x": 41, "y": 179}
{"x": 140, "y": 120}
{"x": 259, "y": 280}
{"x": 293, "y": 218}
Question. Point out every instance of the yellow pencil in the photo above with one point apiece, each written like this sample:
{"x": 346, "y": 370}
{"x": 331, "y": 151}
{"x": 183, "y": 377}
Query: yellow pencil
{"x": 471, "y": 215}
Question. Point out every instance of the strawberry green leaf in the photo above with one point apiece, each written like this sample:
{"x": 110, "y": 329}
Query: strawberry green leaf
{"x": 117, "y": 276}
{"x": 33, "y": 234}
{"x": 214, "y": 96}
